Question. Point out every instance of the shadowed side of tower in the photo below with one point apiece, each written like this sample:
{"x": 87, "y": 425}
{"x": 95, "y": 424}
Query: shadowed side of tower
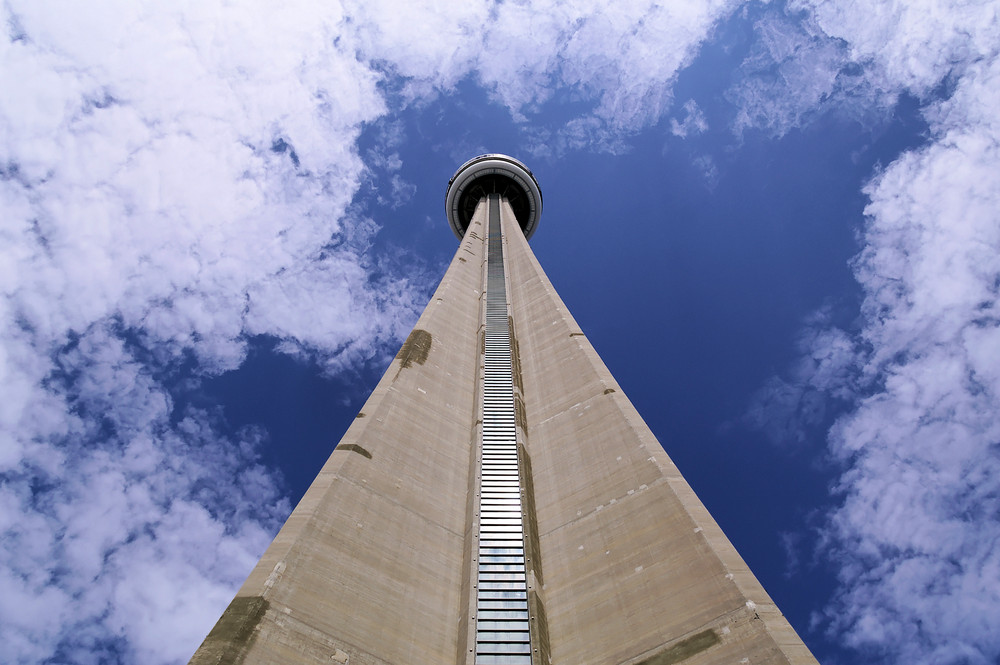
{"x": 499, "y": 501}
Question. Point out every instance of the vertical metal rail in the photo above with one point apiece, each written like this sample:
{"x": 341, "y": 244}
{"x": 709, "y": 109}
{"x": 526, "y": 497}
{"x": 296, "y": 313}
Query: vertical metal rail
{"x": 502, "y": 623}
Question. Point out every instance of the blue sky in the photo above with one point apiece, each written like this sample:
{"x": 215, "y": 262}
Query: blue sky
{"x": 777, "y": 223}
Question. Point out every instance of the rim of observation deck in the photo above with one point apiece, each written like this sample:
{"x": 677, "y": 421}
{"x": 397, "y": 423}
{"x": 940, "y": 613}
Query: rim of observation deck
{"x": 489, "y": 173}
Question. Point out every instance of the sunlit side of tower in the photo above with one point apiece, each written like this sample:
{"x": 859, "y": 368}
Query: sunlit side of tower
{"x": 498, "y": 500}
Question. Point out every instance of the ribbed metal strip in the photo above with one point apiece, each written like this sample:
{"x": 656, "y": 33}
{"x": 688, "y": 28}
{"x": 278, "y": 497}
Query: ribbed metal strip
{"x": 502, "y": 622}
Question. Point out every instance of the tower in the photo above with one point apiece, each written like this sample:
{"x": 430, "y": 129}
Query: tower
{"x": 498, "y": 500}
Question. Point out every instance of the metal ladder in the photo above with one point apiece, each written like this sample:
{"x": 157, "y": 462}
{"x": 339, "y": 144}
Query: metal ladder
{"x": 502, "y": 621}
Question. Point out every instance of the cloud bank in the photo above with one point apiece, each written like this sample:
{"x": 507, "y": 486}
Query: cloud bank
{"x": 918, "y": 532}
{"x": 620, "y": 61}
{"x": 915, "y": 536}
{"x": 173, "y": 181}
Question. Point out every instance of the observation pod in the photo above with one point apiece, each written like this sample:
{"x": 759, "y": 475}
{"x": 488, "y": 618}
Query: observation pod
{"x": 493, "y": 174}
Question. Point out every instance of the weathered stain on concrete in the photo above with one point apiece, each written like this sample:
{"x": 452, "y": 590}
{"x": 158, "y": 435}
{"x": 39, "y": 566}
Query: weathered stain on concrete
{"x": 533, "y": 549}
{"x": 415, "y": 349}
{"x": 234, "y": 632}
{"x": 353, "y": 447}
{"x": 684, "y": 649}
{"x": 520, "y": 415}
{"x": 515, "y": 357}
{"x": 539, "y": 631}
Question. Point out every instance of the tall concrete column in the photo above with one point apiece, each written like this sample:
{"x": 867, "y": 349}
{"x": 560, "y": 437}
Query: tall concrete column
{"x": 498, "y": 500}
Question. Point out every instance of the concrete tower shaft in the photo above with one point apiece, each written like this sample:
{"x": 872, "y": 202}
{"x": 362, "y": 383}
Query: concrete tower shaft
{"x": 498, "y": 500}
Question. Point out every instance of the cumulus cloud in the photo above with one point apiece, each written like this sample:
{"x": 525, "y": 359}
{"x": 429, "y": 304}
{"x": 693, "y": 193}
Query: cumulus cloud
{"x": 173, "y": 180}
{"x": 915, "y": 537}
{"x": 917, "y": 533}
{"x": 129, "y": 526}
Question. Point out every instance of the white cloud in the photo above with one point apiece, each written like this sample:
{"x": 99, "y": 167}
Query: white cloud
{"x": 795, "y": 70}
{"x": 911, "y": 45}
{"x": 789, "y": 409}
{"x": 174, "y": 179}
{"x": 126, "y": 503}
{"x": 916, "y": 535}
{"x": 621, "y": 59}
{"x": 856, "y": 58}
{"x": 708, "y": 170}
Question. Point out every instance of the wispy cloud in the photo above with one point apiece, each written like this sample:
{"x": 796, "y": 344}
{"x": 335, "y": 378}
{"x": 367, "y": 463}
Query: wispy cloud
{"x": 912, "y": 45}
{"x": 693, "y": 122}
{"x": 795, "y": 70}
{"x": 621, "y": 60}
{"x": 790, "y": 408}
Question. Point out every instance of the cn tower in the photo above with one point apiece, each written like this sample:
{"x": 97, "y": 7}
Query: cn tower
{"x": 498, "y": 499}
